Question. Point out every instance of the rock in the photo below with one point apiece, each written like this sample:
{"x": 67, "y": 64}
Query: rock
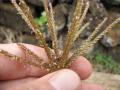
{"x": 8, "y": 35}
{"x": 61, "y": 12}
{"x": 95, "y": 15}
{"x": 38, "y": 2}
{"x": 113, "y": 2}
{"x": 32, "y": 2}
{"x": 35, "y": 2}
{"x": 66, "y": 1}
{"x": 112, "y": 38}
{"x": 10, "y": 18}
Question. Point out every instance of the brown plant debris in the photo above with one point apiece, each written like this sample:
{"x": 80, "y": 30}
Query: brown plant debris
{"x": 57, "y": 60}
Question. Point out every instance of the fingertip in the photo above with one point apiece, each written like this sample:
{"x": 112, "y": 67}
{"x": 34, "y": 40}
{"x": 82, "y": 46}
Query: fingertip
{"x": 82, "y": 66}
{"x": 65, "y": 80}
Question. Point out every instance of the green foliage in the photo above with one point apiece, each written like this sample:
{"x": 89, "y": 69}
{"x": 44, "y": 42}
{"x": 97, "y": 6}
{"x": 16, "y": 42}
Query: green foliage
{"x": 41, "y": 20}
{"x": 104, "y": 62}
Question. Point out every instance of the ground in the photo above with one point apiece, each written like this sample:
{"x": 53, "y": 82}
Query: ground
{"x": 108, "y": 81}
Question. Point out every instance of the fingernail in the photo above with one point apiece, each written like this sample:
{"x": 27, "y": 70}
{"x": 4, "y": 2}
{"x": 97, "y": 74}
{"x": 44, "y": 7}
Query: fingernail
{"x": 65, "y": 80}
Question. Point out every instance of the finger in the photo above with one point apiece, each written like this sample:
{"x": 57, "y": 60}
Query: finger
{"x": 59, "y": 80}
{"x": 13, "y": 69}
{"x": 15, "y": 50}
{"x": 87, "y": 86}
{"x": 82, "y": 66}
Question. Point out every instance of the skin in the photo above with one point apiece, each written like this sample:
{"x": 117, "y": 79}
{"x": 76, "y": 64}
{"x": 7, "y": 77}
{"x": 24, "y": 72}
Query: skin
{"x": 15, "y": 75}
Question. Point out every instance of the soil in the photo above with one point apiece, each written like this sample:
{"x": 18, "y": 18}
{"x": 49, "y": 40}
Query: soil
{"x": 108, "y": 81}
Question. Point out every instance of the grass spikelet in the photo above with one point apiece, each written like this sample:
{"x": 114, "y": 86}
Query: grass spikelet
{"x": 24, "y": 11}
{"x": 81, "y": 30}
{"x": 51, "y": 26}
{"x": 97, "y": 29}
{"x": 73, "y": 28}
{"x": 90, "y": 42}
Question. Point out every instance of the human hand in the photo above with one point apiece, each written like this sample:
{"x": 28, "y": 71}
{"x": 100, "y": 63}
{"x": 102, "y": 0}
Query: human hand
{"x": 18, "y": 76}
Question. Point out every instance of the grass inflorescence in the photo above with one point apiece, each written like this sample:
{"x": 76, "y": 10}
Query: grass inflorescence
{"x": 56, "y": 59}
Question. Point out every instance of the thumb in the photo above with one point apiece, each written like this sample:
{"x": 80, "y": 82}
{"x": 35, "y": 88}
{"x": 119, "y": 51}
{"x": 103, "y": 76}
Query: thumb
{"x": 60, "y": 80}
{"x": 65, "y": 80}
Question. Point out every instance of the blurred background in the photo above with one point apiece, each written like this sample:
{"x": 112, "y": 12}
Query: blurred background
{"x": 105, "y": 56}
